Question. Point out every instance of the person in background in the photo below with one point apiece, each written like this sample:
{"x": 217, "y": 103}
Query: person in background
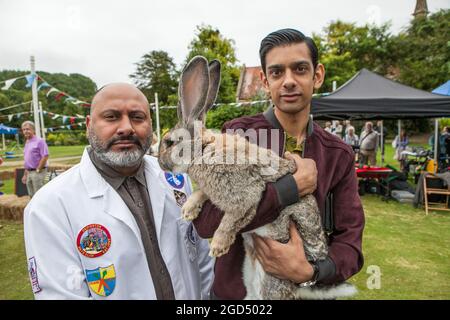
{"x": 338, "y": 129}
{"x": 369, "y": 145}
{"x": 328, "y": 127}
{"x": 347, "y": 125}
{"x": 35, "y": 155}
{"x": 351, "y": 138}
{"x": 400, "y": 144}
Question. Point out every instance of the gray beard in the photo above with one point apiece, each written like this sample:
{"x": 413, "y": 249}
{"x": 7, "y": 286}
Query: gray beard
{"x": 121, "y": 159}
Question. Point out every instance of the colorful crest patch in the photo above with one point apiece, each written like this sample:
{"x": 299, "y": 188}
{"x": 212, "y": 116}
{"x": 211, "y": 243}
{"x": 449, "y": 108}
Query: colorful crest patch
{"x": 93, "y": 241}
{"x": 180, "y": 197}
{"x": 176, "y": 181}
{"x": 102, "y": 280}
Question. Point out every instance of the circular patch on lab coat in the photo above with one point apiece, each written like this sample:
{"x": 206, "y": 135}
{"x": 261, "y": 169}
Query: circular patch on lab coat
{"x": 93, "y": 241}
{"x": 176, "y": 181}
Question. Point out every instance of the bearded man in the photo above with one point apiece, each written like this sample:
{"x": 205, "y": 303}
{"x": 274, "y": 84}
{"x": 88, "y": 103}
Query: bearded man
{"x": 109, "y": 227}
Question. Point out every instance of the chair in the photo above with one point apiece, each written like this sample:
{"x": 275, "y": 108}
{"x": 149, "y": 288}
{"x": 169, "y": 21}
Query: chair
{"x": 434, "y": 191}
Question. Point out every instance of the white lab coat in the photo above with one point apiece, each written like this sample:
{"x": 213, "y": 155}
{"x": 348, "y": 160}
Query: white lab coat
{"x": 80, "y": 197}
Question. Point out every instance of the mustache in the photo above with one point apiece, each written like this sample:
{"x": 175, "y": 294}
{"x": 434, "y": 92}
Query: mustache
{"x": 129, "y": 138}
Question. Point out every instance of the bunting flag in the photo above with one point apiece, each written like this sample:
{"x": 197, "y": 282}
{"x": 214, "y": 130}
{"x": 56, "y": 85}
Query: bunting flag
{"x": 70, "y": 99}
{"x": 10, "y": 117}
{"x": 9, "y": 83}
{"x": 52, "y": 90}
{"x": 43, "y": 85}
{"x": 59, "y": 96}
{"x": 30, "y": 79}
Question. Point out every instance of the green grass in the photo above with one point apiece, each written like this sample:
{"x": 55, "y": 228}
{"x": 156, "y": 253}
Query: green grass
{"x": 8, "y": 187}
{"x": 14, "y": 281}
{"x": 54, "y": 151}
{"x": 411, "y": 249}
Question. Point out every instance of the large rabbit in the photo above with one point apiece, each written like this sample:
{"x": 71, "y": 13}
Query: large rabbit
{"x": 232, "y": 173}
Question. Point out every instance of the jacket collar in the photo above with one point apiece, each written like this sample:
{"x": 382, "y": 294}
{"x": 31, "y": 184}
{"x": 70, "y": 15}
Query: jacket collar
{"x": 269, "y": 114}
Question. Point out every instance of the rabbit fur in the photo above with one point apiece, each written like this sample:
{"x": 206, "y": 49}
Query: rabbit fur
{"x": 232, "y": 173}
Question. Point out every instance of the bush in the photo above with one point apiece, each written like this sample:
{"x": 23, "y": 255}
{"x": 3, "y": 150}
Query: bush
{"x": 66, "y": 138}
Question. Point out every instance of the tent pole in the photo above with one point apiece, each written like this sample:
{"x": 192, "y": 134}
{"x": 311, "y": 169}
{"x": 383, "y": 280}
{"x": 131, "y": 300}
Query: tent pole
{"x": 3, "y": 140}
{"x": 436, "y": 142}
{"x": 382, "y": 145}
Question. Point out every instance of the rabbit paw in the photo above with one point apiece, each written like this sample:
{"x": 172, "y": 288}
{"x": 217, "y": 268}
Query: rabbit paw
{"x": 191, "y": 209}
{"x": 219, "y": 246}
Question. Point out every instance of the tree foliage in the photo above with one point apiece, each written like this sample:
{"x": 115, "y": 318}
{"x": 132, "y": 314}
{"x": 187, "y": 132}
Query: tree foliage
{"x": 422, "y": 51}
{"x": 156, "y": 73}
{"x": 345, "y": 49}
{"x": 210, "y": 43}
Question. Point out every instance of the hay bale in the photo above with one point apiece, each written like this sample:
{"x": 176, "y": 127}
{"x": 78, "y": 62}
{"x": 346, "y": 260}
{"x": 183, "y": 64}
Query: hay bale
{"x": 12, "y": 207}
{"x": 6, "y": 175}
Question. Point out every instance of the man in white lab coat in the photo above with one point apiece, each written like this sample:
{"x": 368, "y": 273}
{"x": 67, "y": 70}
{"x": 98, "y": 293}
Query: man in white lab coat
{"x": 111, "y": 227}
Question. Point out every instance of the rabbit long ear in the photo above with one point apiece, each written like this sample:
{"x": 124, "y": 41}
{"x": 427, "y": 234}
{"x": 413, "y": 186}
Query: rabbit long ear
{"x": 214, "y": 83}
{"x": 193, "y": 89}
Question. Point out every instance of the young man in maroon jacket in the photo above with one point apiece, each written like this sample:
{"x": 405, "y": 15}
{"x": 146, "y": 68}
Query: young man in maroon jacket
{"x": 291, "y": 72}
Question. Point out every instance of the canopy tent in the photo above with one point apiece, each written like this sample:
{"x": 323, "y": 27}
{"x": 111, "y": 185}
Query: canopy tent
{"x": 443, "y": 89}
{"x": 370, "y": 96}
{"x": 7, "y": 130}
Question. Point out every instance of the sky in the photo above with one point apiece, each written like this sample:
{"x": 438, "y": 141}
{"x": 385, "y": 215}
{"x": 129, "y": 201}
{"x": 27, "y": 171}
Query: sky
{"x": 103, "y": 39}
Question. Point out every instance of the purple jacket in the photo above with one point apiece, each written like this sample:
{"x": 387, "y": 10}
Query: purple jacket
{"x": 336, "y": 174}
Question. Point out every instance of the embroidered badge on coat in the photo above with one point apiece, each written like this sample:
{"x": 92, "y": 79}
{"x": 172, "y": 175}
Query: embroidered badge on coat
{"x": 32, "y": 269}
{"x": 102, "y": 280}
{"x": 93, "y": 241}
{"x": 176, "y": 181}
{"x": 180, "y": 197}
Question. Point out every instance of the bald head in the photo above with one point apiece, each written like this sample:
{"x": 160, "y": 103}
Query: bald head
{"x": 118, "y": 91}
{"x": 119, "y": 127}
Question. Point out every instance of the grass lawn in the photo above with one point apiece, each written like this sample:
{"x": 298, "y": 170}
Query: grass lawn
{"x": 55, "y": 152}
{"x": 412, "y": 251}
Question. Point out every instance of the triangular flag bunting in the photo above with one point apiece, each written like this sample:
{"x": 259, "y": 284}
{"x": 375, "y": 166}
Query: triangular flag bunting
{"x": 51, "y": 90}
{"x": 30, "y": 79}
{"x": 8, "y": 83}
{"x": 59, "y": 96}
{"x": 43, "y": 85}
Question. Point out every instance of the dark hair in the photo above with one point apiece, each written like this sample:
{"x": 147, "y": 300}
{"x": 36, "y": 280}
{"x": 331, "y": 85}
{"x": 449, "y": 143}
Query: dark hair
{"x": 286, "y": 37}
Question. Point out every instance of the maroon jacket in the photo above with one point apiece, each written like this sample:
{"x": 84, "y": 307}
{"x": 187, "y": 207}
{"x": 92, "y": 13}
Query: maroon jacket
{"x": 336, "y": 174}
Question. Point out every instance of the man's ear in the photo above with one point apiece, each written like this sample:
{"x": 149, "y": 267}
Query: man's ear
{"x": 88, "y": 122}
{"x": 264, "y": 81}
{"x": 319, "y": 76}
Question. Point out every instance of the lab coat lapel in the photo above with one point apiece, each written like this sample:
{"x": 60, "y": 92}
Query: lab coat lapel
{"x": 155, "y": 178}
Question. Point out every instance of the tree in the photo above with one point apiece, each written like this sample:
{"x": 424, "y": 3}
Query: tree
{"x": 210, "y": 43}
{"x": 156, "y": 73}
{"x": 345, "y": 49}
{"x": 422, "y": 51}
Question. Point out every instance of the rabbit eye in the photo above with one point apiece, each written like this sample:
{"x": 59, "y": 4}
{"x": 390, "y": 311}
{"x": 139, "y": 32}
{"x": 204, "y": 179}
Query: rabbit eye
{"x": 169, "y": 143}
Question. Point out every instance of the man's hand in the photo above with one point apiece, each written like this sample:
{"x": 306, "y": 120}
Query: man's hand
{"x": 24, "y": 178}
{"x": 284, "y": 261}
{"x": 306, "y": 174}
